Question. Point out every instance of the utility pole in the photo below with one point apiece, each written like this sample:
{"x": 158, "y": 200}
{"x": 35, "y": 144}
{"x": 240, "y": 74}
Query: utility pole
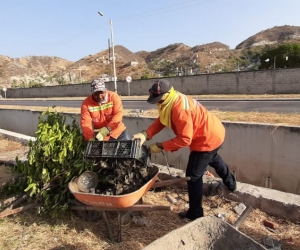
{"x": 113, "y": 54}
{"x": 113, "y": 51}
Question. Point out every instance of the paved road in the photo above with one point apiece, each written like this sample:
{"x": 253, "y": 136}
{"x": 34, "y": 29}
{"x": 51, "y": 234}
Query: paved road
{"x": 270, "y": 105}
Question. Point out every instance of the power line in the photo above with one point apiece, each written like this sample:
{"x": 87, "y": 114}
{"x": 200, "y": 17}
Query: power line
{"x": 174, "y": 7}
{"x": 72, "y": 38}
{"x": 170, "y": 8}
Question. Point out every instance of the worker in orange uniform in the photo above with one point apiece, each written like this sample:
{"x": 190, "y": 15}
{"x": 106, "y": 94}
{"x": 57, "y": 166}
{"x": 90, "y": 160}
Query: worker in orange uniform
{"x": 194, "y": 127}
{"x": 102, "y": 112}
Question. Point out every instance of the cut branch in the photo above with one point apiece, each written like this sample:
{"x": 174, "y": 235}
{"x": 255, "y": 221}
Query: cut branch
{"x": 16, "y": 202}
{"x": 170, "y": 182}
{"x": 8, "y": 212}
{"x": 9, "y": 200}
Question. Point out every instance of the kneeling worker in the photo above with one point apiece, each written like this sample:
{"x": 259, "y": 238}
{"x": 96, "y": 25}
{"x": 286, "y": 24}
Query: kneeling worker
{"x": 102, "y": 112}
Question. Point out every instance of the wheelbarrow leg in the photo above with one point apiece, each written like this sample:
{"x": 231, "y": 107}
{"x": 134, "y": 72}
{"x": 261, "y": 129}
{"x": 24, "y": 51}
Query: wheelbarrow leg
{"x": 121, "y": 219}
{"x": 242, "y": 217}
{"x": 119, "y": 239}
{"x": 103, "y": 213}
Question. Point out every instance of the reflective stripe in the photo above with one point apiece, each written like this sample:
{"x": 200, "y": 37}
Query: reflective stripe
{"x": 100, "y": 107}
{"x": 186, "y": 105}
{"x": 196, "y": 103}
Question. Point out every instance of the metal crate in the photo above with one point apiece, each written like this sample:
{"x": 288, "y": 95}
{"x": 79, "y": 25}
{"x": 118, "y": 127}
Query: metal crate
{"x": 128, "y": 149}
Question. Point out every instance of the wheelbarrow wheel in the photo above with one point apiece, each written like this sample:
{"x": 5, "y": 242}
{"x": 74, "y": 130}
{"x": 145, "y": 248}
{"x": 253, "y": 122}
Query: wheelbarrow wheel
{"x": 89, "y": 215}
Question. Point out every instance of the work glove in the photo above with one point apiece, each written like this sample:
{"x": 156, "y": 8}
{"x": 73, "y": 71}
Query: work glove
{"x": 154, "y": 148}
{"x": 103, "y": 132}
{"x": 142, "y": 136}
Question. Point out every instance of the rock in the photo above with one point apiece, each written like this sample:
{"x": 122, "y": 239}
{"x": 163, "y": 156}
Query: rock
{"x": 270, "y": 224}
{"x": 239, "y": 209}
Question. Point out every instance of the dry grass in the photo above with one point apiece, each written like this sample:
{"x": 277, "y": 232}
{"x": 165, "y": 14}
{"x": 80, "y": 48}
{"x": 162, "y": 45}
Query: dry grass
{"x": 26, "y": 230}
{"x": 232, "y": 96}
{"x": 256, "y": 117}
{"x": 29, "y": 231}
{"x": 7, "y": 145}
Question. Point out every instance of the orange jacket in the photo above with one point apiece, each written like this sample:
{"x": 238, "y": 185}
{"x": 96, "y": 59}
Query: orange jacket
{"x": 193, "y": 125}
{"x": 108, "y": 114}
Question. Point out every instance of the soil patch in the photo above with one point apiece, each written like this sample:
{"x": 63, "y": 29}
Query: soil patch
{"x": 7, "y": 145}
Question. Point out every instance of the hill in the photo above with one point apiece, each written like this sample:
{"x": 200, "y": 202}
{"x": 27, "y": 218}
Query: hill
{"x": 273, "y": 36}
{"x": 174, "y": 59}
{"x": 24, "y": 70}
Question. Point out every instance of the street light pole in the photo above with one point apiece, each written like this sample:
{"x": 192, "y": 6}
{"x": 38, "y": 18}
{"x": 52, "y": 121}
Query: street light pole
{"x": 113, "y": 51}
{"x": 113, "y": 54}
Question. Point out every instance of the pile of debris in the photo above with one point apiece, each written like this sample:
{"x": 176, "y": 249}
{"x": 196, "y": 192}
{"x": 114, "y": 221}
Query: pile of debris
{"x": 116, "y": 177}
{"x": 121, "y": 167}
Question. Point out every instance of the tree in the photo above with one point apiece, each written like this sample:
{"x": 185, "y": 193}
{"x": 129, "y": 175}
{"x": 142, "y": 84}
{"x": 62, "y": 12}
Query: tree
{"x": 53, "y": 159}
{"x": 284, "y": 56}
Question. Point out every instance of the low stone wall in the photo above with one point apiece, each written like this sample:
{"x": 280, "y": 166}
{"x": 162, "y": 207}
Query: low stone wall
{"x": 259, "y": 154}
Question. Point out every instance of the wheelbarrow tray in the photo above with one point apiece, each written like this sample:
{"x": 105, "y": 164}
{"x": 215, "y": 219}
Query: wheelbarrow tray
{"x": 112, "y": 201}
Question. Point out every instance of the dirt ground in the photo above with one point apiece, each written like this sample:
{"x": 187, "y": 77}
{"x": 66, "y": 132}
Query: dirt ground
{"x": 8, "y": 145}
{"x": 6, "y": 148}
{"x": 26, "y": 230}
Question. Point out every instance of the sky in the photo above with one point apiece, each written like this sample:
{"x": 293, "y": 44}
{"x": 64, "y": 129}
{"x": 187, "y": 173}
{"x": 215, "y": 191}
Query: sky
{"x": 73, "y": 29}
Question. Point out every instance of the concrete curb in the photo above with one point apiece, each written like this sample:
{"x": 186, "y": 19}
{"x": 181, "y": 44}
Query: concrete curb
{"x": 271, "y": 201}
{"x": 13, "y": 136}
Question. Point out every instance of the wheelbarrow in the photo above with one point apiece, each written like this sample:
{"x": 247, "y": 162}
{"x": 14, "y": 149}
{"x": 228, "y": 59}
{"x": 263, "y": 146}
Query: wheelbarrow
{"x": 128, "y": 203}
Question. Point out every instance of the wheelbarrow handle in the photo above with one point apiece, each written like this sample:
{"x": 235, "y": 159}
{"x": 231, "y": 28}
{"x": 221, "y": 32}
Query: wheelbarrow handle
{"x": 170, "y": 182}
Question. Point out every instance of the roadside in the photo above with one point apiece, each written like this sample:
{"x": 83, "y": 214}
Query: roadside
{"x": 277, "y": 119}
{"x": 205, "y": 97}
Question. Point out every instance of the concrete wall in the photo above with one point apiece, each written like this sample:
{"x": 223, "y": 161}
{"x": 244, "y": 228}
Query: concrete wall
{"x": 259, "y": 154}
{"x": 276, "y": 81}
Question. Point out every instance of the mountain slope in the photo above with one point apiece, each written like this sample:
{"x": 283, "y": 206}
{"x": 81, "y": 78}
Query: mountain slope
{"x": 275, "y": 35}
{"x": 174, "y": 59}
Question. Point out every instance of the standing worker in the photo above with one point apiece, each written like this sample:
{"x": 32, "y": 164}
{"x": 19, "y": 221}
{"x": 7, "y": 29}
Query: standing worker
{"x": 102, "y": 112}
{"x": 194, "y": 127}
